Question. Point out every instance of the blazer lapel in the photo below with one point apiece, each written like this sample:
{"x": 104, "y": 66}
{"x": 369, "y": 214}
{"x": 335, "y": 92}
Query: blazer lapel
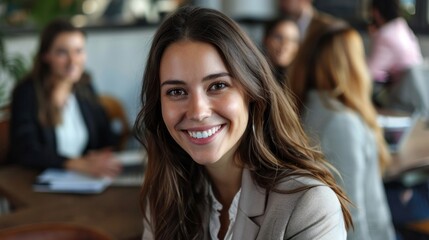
{"x": 251, "y": 204}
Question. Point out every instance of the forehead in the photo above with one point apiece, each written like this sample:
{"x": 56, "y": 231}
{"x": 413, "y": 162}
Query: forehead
{"x": 190, "y": 59}
{"x": 286, "y": 25}
{"x": 68, "y": 38}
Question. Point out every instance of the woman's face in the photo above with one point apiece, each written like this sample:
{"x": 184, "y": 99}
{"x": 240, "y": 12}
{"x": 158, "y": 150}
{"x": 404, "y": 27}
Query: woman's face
{"x": 282, "y": 43}
{"x": 67, "y": 56}
{"x": 203, "y": 107}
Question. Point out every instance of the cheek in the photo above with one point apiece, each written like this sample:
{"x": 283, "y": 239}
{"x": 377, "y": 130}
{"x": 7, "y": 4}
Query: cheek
{"x": 272, "y": 45}
{"x": 236, "y": 108}
{"x": 83, "y": 58}
{"x": 56, "y": 61}
{"x": 295, "y": 48}
{"x": 169, "y": 114}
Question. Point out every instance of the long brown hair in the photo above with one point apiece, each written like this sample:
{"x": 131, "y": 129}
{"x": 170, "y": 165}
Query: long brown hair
{"x": 48, "y": 112}
{"x": 273, "y": 147}
{"x": 335, "y": 63}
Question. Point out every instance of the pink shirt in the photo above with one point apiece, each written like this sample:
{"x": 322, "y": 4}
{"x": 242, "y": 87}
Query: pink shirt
{"x": 394, "y": 48}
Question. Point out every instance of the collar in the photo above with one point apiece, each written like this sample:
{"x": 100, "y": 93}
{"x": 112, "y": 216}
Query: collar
{"x": 251, "y": 205}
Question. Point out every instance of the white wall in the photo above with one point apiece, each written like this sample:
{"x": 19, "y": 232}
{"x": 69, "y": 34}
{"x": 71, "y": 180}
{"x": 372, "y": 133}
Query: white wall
{"x": 256, "y": 9}
{"x": 116, "y": 61}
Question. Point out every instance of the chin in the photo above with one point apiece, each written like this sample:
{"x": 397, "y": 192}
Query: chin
{"x": 205, "y": 160}
{"x": 74, "y": 78}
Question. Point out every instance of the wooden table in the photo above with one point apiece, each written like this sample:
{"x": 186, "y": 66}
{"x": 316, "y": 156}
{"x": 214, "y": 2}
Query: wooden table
{"x": 116, "y": 211}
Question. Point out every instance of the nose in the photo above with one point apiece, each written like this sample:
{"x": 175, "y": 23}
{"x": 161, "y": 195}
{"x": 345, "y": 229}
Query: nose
{"x": 74, "y": 57}
{"x": 71, "y": 59}
{"x": 199, "y": 107}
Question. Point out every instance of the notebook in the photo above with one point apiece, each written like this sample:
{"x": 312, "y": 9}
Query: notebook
{"x": 66, "y": 181}
{"x": 397, "y": 130}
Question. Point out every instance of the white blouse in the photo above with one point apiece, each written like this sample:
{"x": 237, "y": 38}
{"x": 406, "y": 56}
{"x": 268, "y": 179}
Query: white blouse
{"x": 71, "y": 134}
{"x": 214, "y": 224}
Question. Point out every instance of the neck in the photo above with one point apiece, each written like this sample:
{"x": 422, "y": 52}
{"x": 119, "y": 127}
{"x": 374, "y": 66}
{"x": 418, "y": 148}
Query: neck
{"x": 61, "y": 92}
{"x": 226, "y": 181}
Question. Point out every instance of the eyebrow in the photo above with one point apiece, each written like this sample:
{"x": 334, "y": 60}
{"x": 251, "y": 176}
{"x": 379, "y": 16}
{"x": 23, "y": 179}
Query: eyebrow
{"x": 206, "y": 78}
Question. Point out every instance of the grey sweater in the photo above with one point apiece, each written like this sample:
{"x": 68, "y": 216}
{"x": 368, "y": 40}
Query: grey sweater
{"x": 350, "y": 145}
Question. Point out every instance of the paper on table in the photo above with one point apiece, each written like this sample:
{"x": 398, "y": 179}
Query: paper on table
{"x": 59, "y": 180}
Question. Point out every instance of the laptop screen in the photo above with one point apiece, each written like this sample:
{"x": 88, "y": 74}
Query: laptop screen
{"x": 397, "y": 129}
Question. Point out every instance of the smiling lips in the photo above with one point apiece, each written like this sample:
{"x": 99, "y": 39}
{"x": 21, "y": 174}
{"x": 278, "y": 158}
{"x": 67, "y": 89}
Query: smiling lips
{"x": 204, "y": 134}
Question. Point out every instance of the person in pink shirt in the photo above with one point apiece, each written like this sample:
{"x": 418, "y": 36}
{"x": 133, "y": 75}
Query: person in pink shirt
{"x": 394, "y": 45}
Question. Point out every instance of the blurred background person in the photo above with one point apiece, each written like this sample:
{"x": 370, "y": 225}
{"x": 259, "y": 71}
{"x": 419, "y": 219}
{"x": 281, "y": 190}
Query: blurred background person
{"x": 281, "y": 43}
{"x": 56, "y": 120}
{"x": 333, "y": 97}
{"x": 306, "y": 16}
{"x": 394, "y": 45}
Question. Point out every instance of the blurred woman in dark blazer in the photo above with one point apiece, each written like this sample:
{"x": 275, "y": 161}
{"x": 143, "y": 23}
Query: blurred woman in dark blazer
{"x": 56, "y": 118}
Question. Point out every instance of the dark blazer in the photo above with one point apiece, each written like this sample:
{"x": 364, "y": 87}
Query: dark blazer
{"x": 34, "y": 145}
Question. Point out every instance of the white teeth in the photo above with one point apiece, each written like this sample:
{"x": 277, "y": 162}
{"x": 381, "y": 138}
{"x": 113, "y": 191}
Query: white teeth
{"x": 204, "y": 134}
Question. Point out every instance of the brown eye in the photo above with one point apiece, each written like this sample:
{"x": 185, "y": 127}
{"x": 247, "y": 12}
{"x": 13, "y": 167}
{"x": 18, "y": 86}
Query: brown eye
{"x": 176, "y": 92}
{"x": 218, "y": 86}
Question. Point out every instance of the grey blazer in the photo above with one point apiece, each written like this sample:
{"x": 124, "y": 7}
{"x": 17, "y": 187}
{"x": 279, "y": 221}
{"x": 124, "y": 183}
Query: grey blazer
{"x": 311, "y": 214}
{"x": 350, "y": 146}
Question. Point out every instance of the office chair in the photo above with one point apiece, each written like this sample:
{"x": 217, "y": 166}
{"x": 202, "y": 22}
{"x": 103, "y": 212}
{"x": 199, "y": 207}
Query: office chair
{"x": 118, "y": 118}
{"x": 53, "y": 231}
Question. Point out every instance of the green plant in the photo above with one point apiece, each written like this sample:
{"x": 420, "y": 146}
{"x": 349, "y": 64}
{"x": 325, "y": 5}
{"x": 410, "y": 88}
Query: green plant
{"x": 12, "y": 69}
{"x": 38, "y": 13}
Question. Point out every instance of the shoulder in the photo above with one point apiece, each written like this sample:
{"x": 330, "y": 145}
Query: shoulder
{"x": 315, "y": 192}
{"x": 345, "y": 131}
{"x": 24, "y": 87}
{"x": 314, "y": 213}
{"x": 324, "y": 113}
{"x": 24, "y": 94}
{"x": 295, "y": 182}
{"x": 345, "y": 119}
{"x": 397, "y": 27}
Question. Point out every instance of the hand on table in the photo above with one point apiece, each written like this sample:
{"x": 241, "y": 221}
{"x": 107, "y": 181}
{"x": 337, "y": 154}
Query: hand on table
{"x": 101, "y": 163}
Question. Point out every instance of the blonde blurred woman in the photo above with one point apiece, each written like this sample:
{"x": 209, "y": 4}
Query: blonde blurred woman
{"x": 332, "y": 87}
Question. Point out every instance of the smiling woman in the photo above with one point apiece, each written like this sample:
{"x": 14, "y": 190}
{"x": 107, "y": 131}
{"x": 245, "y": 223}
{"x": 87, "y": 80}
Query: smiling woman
{"x": 206, "y": 112}
{"x": 227, "y": 157}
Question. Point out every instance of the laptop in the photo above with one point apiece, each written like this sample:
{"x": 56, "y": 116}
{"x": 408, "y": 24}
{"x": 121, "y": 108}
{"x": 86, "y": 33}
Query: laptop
{"x": 397, "y": 130}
